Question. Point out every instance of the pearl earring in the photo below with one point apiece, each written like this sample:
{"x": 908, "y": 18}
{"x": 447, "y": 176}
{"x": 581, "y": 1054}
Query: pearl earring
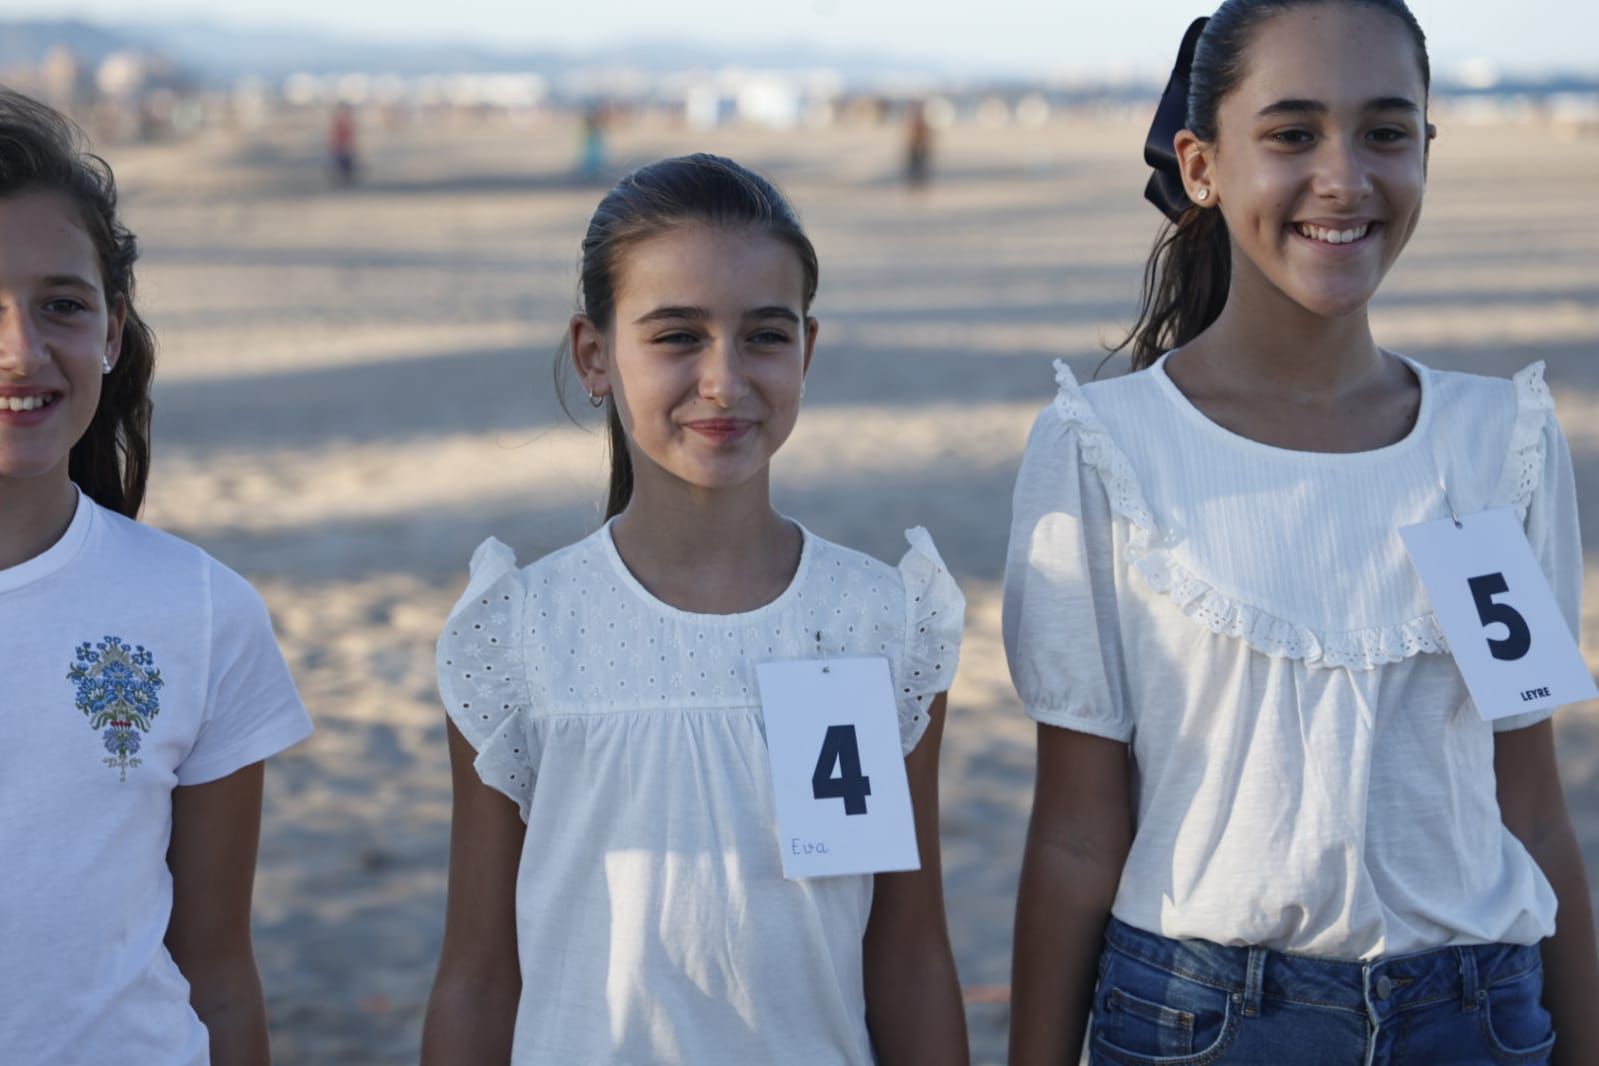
{"x": 1202, "y": 195}
{"x": 105, "y": 364}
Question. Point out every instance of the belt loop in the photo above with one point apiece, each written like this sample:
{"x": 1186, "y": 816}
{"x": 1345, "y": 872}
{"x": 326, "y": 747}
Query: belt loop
{"x": 1469, "y": 991}
{"x": 1254, "y": 979}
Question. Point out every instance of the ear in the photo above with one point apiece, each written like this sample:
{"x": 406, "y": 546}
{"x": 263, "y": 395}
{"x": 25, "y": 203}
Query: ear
{"x": 1195, "y": 159}
{"x": 589, "y": 356}
{"x": 811, "y": 326}
{"x": 113, "y": 330}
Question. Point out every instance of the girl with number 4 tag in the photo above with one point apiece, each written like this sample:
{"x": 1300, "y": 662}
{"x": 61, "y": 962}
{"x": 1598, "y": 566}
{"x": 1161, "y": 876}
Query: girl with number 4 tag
{"x": 142, "y": 684}
{"x": 616, "y": 886}
{"x": 1269, "y": 825}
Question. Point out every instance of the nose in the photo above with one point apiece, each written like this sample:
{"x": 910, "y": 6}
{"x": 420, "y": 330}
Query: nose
{"x": 1341, "y": 172}
{"x": 722, "y": 377}
{"x": 22, "y": 348}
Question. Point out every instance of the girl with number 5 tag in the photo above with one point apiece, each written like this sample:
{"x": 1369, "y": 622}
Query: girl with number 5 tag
{"x": 616, "y": 886}
{"x": 1270, "y": 826}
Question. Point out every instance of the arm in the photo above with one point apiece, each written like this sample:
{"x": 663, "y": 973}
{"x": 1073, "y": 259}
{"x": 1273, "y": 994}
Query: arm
{"x": 471, "y": 1012}
{"x": 913, "y": 997}
{"x": 1534, "y": 809}
{"x": 215, "y": 829}
{"x": 1077, "y": 841}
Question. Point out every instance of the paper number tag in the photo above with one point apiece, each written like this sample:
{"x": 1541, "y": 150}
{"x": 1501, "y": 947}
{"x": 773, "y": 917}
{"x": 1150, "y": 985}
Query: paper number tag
{"x": 838, "y": 771}
{"x": 1505, "y": 629}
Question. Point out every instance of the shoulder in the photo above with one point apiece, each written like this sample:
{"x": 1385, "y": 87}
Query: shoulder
{"x": 829, "y": 560}
{"x": 178, "y": 566}
{"x": 150, "y": 548}
{"x": 1460, "y": 394}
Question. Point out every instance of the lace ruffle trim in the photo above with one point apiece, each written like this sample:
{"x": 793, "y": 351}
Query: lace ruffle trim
{"x": 935, "y": 614}
{"x": 1357, "y": 649}
{"x": 1523, "y": 470}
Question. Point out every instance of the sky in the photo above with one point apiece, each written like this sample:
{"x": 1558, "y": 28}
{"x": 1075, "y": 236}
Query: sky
{"x": 1035, "y": 36}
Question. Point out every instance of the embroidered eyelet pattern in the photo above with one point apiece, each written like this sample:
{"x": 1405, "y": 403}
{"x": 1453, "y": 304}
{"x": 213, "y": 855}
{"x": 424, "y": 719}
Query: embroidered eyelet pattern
{"x": 116, "y": 688}
{"x": 527, "y": 651}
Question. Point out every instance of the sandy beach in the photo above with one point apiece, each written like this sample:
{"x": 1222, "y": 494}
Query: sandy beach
{"x": 355, "y": 389}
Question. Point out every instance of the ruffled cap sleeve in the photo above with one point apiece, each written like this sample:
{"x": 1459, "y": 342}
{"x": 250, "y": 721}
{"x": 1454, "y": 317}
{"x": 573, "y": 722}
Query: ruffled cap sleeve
{"x": 482, "y": 679}
{"x": 1540, "y": 483}
{"x": 935, "y": 613}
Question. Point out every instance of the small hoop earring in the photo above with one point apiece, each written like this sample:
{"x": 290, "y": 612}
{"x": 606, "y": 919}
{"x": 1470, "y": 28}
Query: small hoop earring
{"x": 596, "y": 401}
{"x": 1202, "y": 195}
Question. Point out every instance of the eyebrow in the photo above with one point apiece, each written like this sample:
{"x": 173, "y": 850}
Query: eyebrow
{"x": 71, "y": 281}
{"x": 1316, "y": 107}
{"x": 678, "y": 314}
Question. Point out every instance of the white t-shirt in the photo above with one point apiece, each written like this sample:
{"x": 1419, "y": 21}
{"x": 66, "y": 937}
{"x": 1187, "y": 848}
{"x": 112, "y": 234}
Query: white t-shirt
{"x": 653, "y": 921}
{"x": 1311, "y": 773}
{"x": 133, "y": 663}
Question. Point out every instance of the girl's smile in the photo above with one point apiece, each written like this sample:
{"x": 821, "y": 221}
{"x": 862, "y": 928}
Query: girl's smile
{"x": 26, "y": 407}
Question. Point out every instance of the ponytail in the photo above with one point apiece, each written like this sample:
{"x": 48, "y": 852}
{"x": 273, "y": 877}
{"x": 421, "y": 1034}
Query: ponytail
{"x": 1185, "y": 285}
{"x": 621, "y": 487}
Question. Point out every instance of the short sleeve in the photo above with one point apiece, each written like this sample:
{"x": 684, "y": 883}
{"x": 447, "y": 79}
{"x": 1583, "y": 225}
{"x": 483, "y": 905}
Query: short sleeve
{"x": 1060, "y": 615}
{"x": 935, "y": 613}
{"x": 252, "y": 710}
{"x": 1556, "y": 538}
{"x": 482, "y": 680}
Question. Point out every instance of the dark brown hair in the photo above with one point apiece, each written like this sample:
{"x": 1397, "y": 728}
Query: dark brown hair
{"x": 699, "y": 188}
{"x": 42, "y": 150}
{"x": 1187, "y": 277}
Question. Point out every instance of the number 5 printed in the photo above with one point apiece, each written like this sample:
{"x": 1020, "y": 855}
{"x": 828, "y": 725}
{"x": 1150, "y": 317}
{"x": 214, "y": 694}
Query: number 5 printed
{"x": 839, "y": 748}
{"x": 1518, "y": 639}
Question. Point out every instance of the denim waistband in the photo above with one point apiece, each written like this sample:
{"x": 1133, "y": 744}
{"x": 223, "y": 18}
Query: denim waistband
{"x": 1382, "y": 987}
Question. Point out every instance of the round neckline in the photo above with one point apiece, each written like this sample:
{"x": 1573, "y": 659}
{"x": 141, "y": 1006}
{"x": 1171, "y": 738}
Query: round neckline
{"x": 1418, "y": 429}
{"x": 807, "y": 550}
{"x": 56, "y": 555}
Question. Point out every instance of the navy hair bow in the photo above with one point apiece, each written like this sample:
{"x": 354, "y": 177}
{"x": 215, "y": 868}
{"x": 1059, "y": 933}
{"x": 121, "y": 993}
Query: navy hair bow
{"x": 1165, "y": 189}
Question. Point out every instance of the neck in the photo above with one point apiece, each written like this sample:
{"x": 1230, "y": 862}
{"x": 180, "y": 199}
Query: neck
{"x": 685, "y": 525}
{"x": 34, "y": 514}
{"x": 710, "y": 550}
{"x": 1271, "y": 343}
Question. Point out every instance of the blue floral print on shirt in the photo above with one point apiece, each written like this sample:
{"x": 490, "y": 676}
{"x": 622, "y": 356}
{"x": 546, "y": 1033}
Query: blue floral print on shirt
{"x": 117, "y": 688}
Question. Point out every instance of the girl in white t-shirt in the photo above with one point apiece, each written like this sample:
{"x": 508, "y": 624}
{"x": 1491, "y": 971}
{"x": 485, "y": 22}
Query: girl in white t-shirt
{"x": 142, "y": 683}
{"x": 1270, "y": 825}
{"x": 616, "y": 881}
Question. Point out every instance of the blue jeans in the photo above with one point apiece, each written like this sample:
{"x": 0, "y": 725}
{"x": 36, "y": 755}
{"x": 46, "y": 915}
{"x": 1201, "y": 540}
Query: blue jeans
{"x": 1164, "y": 1002}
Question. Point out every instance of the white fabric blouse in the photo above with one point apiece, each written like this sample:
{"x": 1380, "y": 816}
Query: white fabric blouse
{"x": 1311, "y": 773}
{"x": 653, "y": 921}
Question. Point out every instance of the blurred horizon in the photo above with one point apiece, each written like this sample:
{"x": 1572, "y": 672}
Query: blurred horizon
{"x": 999, "y": 39}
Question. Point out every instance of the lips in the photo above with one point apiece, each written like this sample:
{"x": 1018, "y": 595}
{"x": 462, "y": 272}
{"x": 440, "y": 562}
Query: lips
{"x": 31, "y": 402}
{"x": 720, "y": 430}
{"x": 1336, "y": 233}
{"x": 21, "y": 409}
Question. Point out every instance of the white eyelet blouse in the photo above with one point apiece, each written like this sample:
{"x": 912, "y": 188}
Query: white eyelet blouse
{"x": 1311, "y": 773}
{"x": 653, "y": 921}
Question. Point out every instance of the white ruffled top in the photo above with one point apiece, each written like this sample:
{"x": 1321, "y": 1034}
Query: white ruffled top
{"x": 1312, "y": 775}
{"x": 653, "y": 920}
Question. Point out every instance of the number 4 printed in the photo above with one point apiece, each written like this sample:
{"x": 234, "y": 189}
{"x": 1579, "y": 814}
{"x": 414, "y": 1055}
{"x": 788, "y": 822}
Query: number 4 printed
{"x": 839, "y": 748}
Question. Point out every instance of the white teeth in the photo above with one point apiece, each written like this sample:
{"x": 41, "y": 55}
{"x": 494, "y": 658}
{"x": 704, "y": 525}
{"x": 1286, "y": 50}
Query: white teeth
{"x": 1333, "y": 236}
{"x": 24, "y": 403}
